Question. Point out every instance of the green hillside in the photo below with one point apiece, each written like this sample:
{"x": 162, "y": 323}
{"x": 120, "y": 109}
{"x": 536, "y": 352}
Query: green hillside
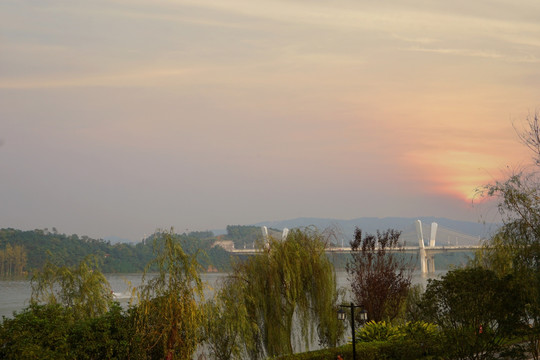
{"x": 22, "y": 252}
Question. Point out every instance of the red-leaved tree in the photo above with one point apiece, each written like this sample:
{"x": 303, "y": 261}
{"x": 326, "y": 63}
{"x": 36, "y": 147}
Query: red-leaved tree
{"x": 379, "y": 272}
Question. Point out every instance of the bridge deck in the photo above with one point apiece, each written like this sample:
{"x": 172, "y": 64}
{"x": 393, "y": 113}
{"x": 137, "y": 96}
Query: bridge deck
{"x": 408, "y": 249}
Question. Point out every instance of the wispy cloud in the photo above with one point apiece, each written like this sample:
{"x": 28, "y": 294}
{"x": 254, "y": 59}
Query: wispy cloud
{"x": 137, "y": 79}
{"x": 477, "y": 53}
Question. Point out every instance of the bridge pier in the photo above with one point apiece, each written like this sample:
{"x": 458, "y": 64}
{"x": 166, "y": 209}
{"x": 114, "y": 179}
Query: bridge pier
{"x": 427, "y": 261}
{"x": 423, "y": 260}
{"x": 431, "y": 264}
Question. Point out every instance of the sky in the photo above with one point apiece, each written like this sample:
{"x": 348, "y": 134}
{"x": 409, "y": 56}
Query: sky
{"x": 121, "y": 117}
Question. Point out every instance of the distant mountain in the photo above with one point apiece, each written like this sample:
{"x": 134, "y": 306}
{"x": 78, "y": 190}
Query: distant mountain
{"x": 449, "y": 232}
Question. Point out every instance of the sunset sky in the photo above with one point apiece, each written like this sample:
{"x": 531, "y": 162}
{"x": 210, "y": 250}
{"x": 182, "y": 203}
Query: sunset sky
{"x": 120, "y": 117}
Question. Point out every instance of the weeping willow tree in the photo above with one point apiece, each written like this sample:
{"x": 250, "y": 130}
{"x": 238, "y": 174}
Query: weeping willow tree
{"x": 169, "y": 310}
{"x": 283, "y": 296}
{"x": 82, "y": 288}
{"x": 227, "y": 327}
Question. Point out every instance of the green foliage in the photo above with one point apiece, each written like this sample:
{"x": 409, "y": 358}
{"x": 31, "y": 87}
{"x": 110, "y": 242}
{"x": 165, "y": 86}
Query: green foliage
{"x": 40, "y": 245}
{"x": 23, "y": 252}
{"x": 207, "y": 254}
{"x": 418, "y": 331}
{"x": 38, "y": 332}
{"x": 169, "y": 315}
{"x": 376, "y": 350}
{"x": 231, "y": 328}
{"x": 377, "y": 331}
{"x": 52, "y": 332}
{"x": 411, "y": 331}
{"x": 290, "y": 284}
{"x": 496, "y": 255}
{"x": 110, "y": 336}
{"x": 515, "y": 249}
{"x": 201, "y": 235}
{"x": 227, "y": 323}
{"x": 411, "y": 311}
{"x": 12, "y": 261}
{"x": 80, "y": 322}
{"x": 243, "y": 235}
{"x": 475, "y": 311}
{"x": 82, "y": 288}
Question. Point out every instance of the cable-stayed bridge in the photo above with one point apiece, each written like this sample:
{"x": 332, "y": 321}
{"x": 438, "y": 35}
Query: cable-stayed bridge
{"x": 452, "y": 241}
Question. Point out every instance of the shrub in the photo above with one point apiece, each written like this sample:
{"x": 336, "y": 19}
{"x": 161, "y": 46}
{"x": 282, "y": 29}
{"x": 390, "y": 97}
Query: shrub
{"x": 111, "y": 336}
{"x": 377, "y": 331}
{"x": 418, "y": 331}
{"x": 383, "y": 331}
{"x": 38, "y": 332}
{"x": 52, "y": 332}
{"x": 376, "y": 350}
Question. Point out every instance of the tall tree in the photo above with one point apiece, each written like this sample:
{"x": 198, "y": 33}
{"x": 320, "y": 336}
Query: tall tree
{"x": 83, "y": 288}
{"x": 515, "y": 248}
{"x": 475, "y": 311}
{"x": 227, "y": 323}
{"x": 170, "y": 313}
{"x": 290, "y": 285}
{"x": 12, "y": 260}
{"x": 379, "y": 273}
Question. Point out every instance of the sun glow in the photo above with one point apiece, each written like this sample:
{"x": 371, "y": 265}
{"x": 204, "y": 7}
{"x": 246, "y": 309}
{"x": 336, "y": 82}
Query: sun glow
{"x": 455, "y": 172}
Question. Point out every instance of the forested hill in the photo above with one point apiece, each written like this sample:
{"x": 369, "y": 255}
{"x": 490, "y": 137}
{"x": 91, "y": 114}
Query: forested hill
{"x": 22, "y": 252}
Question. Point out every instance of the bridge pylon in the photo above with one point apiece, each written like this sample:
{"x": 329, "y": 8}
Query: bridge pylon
{"x": 266, "y": 237}
{"x": 427, "y": 260}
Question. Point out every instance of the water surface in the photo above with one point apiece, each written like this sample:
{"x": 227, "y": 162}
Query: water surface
{"x": 15, "y": 294}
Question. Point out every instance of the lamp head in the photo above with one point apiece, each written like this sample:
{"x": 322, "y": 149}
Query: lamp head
{"x": 341, "y": 314}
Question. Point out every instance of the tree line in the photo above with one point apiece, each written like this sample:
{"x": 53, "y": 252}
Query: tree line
{"x": 23, "y": 252}
{"x": 13, "y": 261}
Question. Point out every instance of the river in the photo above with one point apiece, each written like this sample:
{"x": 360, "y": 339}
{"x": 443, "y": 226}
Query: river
{"x": 15, "y": 294}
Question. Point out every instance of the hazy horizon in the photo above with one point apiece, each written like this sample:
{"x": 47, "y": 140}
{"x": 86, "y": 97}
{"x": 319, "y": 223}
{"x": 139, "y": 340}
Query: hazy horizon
{"x": 119, "y": 118}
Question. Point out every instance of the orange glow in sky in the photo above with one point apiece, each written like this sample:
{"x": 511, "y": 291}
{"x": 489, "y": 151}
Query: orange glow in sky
{"x": 122, "y": 117}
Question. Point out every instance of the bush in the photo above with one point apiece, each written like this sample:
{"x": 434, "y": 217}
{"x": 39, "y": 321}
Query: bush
{"x": 377, "y": 331}
{"x": 51, "y": 332}
{"x": 475, "y": 310}
{"x": 110, "y": 336}
{"x": 376, "y": 350}
{"x": 383, "y": 331}
{"x": 384, "y": 341}
{"x": 38, "y": 332}
{"x": 418, "y": 331}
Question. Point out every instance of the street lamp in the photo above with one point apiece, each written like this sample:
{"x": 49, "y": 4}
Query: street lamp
{"x": 363, "y": 318}
{"x": 341, "y": 314}
{"x": 363, "y": 315}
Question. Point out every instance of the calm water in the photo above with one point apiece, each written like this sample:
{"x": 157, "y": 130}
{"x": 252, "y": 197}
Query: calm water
{"x": 15, "y": 295}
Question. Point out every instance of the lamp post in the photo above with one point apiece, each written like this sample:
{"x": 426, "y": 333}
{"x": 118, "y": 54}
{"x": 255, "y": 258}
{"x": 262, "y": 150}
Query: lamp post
{"x": 363, "y": 318}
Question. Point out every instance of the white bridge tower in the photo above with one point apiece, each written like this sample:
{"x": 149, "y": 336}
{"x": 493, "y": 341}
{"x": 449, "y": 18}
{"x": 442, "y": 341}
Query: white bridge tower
{"x": 266, "y": 238}
{"x": 427, "y": 262}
